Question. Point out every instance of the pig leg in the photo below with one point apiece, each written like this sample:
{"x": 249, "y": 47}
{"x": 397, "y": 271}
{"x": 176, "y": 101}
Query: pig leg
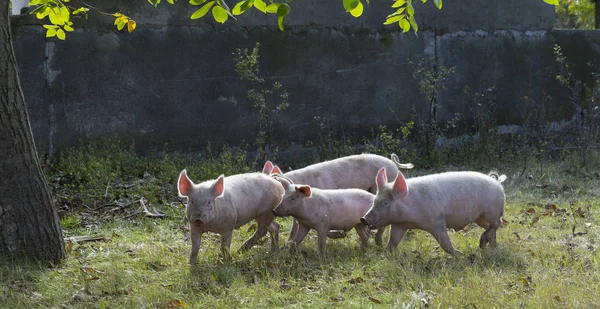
{"x": 226, "y": 244}
{"x": 489, "y": 236}
{"x": 261, "y": 231}
{"x": 363, "y": 234}
{"x": 302, "y": 231}
{"x": 379, "y": 236}
{"x": 294, "y": 230}
{"x": 441, "y": 235}
{"x": 396, "y": 234}
{"x": 322, "y": 240}
{"x": 196, "y": 237}
{"x": 273, "y": 229}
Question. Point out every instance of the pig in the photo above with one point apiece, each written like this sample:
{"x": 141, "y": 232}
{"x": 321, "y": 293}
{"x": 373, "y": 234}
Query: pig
{"x": 225, "y": 204}
{"x": 437, "y": 202}
{"x": 355, "y": 171}
{"x": 324, "y": 210}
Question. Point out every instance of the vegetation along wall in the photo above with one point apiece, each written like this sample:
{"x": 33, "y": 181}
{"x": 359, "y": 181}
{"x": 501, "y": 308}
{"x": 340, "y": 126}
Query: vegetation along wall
{"x": 174, "y": 79}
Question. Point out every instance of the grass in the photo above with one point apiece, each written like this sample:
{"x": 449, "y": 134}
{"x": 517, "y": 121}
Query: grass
{"x": 547, "y": 255}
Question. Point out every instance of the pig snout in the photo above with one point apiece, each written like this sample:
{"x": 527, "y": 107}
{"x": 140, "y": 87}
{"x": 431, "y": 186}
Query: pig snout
{"x": 368, "y": 223}
{"x": 198, "y": 222}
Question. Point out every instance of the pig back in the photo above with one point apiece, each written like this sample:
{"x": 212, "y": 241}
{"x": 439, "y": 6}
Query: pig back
{"x": 356, "y": 171}
{"x": 342, "y": 207}
{"x": 461, "y": 197}
{"x": 252, "y": 195}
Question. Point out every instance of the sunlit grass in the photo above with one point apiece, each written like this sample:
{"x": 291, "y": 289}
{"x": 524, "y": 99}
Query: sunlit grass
{"x": 547, "y": 257}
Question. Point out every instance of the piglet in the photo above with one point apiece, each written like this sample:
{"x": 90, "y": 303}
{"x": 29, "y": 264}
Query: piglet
{"x": 355, "y": 171}
{"x": 324, "y": 210}
{"x": 222, "y": 205}
{"x": 437, "y": 202}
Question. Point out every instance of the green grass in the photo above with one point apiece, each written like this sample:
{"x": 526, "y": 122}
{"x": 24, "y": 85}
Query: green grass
{"x": 142, "y": 262}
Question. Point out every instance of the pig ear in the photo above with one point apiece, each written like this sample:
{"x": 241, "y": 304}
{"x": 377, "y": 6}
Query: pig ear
{"x": 284, "y": 182}
{"x": 276, "y": 170}
{"x": 400, "y": 185}
{"x": 381, "y": 178}
{"x": 219, "y": 186}
{"x": 305, "y": 190}
{"x": 268, "y": 168}
{"x": 184, "y": 184}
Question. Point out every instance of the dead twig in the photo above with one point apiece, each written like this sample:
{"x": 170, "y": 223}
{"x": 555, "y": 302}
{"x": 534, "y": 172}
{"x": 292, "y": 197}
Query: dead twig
{"x": 106, "y": 191}
{"x": 147, "y": 213}
{"x": 84, "y": 238}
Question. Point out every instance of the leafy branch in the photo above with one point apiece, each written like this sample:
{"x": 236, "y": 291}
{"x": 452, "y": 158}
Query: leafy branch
{"x": 60, "y": 15}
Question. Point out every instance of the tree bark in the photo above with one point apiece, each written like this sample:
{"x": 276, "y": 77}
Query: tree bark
{"x": 596, "y": 14}
{"x": 28, "y": 221}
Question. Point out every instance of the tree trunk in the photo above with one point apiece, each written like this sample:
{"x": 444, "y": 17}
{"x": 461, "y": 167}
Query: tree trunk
{"x": 597, "y": 14}
{"x": 28, "y": 221}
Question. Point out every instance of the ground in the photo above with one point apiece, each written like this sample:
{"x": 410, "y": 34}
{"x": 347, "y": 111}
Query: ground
{"x": 547, "y": 255}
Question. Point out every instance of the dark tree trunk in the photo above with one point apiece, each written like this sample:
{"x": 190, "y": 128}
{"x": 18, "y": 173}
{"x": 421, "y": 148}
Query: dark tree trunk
{"x": 597, "y": 14}
{"x": 28, "y": 221}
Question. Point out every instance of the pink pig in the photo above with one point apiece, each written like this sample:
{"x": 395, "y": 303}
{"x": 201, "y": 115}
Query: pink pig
{"x": 437, "y": 202}
{"x": 222, "y": 205}
{"x": 324, "y": 210}
{"x": 355, "y": 171}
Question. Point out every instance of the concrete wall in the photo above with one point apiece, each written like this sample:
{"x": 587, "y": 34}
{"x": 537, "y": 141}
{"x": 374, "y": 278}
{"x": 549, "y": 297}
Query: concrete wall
{"x": 173, "y": 79}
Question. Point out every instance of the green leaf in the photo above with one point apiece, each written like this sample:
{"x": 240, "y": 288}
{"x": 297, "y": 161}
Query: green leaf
{"x": 80, "y": 10}
{"x": 248, "y": 4}
{"x": 50, "y": 26}
{"x": 50, "y": 33}
{"x": 171, "y": 1}
{"x": 283, "y": 9}
{"x": 121, "y": 23}
{"x": 202, "y": 11}
{"x": 393, "y": 19}
{"x": 398, "y": 12}
{"x": 61, "y": 34}
{"x": 65, "y": 14}
{"x": 68, "y": 28}
{"x": 438, "y": 4}
{"x": 260, "y": 5}
{"x": 405, "y": 25}
{"x": 553, "y": 2}
{"x": 272, "y": 8}
{"x": 410, "y": 9}
{"x": 197, "y": 2}
{"x": 55, "y": 16}
{"x": 242, "y": 7}
{"x": 280, "y": 20}
{"x": 220, "y": 14}
{"x": 413, "y": 24}
{"x": 398, "y": 3}
{"x": 34, "y": 2}
{"x": 350, "y": 5}
{"x": 358, "y": 10}
{"x": 43, "y": 13}
{"x": 237, "y": 8}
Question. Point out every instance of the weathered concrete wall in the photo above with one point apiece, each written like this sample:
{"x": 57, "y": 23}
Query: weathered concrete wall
{"x": 173, "y": 80}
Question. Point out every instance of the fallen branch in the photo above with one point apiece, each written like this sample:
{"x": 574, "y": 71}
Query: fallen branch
{"x": 84, "y": 238}
{"x": 147, "y": 213}
{"x": 106, "y": 191}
